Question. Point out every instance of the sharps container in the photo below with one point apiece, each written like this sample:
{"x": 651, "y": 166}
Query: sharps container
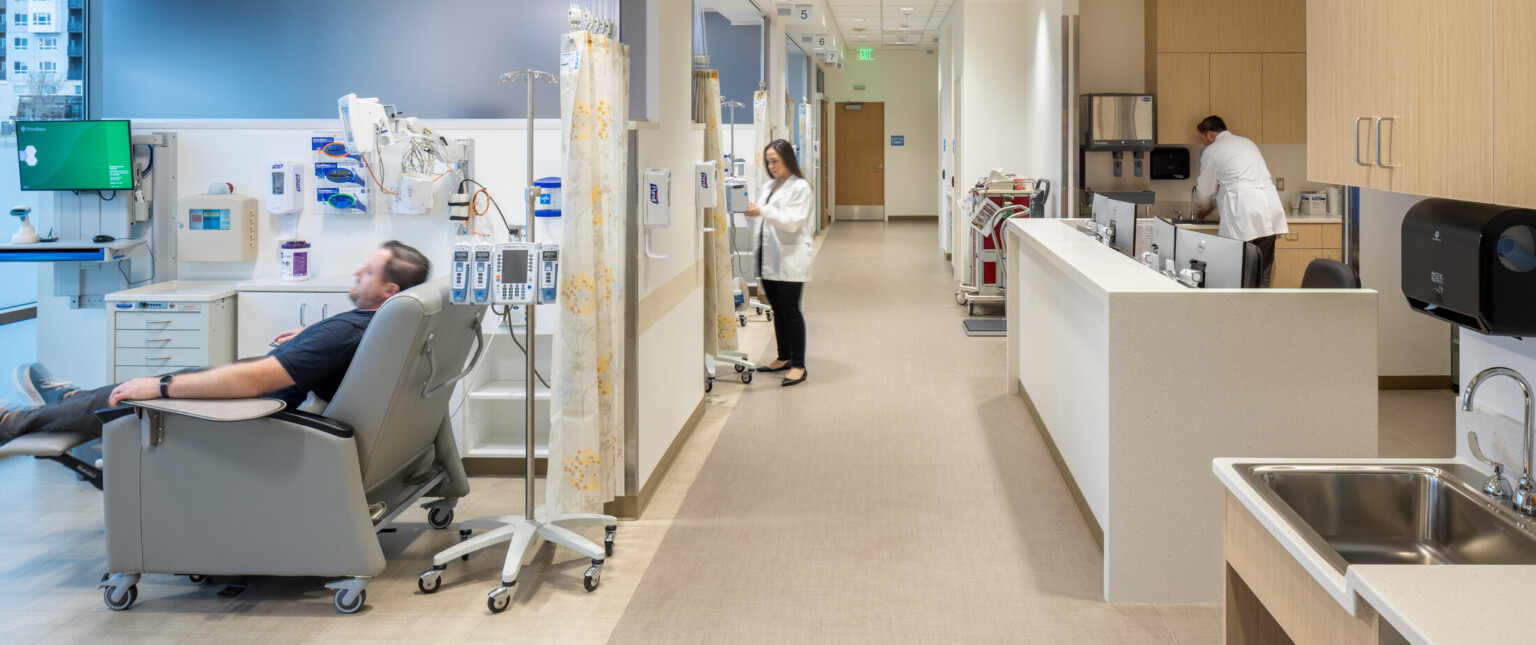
{"x": 294, "y": 258}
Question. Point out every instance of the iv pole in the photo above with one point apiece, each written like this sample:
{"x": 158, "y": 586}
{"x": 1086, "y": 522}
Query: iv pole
{"x": 525, "y": 532}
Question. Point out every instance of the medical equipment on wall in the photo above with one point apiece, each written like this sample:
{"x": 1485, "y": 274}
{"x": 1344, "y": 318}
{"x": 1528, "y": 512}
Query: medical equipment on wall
{"x": 480, "y": 273}
{"x": 341, "y": 186}
{"x": 363, "y": 123}
{"x": 26, "y": 234}
{"x": 737, "y": 198}
{"x": 705, "y": 184}
{"x": 549, "y": 272}
{"x": 216, "y": 228}
{"x": 458, "y": 277}
{"x": 412, "y": 195}
{"x": 658, "y": 205}
{"x": 285, "y": 196}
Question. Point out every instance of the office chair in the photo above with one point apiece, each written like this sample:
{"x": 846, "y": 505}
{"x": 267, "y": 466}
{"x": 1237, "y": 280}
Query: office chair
{"x": 244, "y": 487}
{"x": 1253, "y": 266}
{"x": 1323, "y": 273}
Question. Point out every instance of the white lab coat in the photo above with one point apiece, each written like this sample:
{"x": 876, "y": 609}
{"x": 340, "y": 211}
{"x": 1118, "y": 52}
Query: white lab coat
{"x": 786, "y": 231}
{"x": 1233, "y": 176}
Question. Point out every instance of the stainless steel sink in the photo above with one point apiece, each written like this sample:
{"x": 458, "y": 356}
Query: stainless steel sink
{"x": 1397, "y": 514}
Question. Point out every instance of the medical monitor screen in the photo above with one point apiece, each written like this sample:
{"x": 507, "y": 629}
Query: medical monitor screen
{"x": 74, "y": 155}
{"x": 514, "y": 266}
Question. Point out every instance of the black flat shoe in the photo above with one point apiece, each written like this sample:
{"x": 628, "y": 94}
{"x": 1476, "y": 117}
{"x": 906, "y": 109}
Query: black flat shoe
{"x": 765, "y": 368}
{"x": 792, "y": 381}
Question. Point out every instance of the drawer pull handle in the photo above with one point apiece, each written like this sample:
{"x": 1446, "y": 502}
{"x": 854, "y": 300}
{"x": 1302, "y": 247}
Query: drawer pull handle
{"x": 157, "y": 340}
{"x": 158, "y": 322}
{"x": 157, "y": 358}
{"x": 1292, "y": 237}
{"x": 302, "y": 308}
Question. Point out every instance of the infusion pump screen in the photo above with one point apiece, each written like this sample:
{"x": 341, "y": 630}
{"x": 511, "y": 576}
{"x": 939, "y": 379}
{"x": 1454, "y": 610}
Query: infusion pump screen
{"x": 514, "y": 266}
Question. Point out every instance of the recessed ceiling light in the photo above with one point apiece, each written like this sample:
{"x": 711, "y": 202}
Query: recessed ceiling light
{"x": 906, "y": 8}
{"x": 903, "y": 27}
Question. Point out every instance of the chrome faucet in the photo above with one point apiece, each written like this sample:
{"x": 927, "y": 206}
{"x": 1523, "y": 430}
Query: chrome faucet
{"x": 1525, "y": 491}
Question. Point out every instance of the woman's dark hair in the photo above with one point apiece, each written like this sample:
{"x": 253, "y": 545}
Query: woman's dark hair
{"x": 786, "y": 157}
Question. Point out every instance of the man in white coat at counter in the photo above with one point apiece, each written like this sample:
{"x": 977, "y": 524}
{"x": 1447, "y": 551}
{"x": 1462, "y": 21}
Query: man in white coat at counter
{"x": 1234, "y": 178}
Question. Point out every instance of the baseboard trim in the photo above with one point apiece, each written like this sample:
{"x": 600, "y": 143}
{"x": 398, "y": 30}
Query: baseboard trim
{"x": 1094, "y": 530}
{"x": 1416, "y": 382}
{"x": 503, "y": 466}
{"x": 912, "y": 218}
{"x": 631, "y": 507}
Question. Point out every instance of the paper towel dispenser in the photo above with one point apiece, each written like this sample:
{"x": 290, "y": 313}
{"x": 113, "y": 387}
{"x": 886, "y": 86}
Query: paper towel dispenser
{"x": 1472, "y": 264}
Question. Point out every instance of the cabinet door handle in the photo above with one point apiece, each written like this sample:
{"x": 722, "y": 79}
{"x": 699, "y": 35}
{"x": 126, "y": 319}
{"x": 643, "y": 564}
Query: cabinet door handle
{"x": 303, "y": 308}
{"x": 1358, "y": 119}
{"x": 1380, "y": 121}
{"x": 1292, "y": 237}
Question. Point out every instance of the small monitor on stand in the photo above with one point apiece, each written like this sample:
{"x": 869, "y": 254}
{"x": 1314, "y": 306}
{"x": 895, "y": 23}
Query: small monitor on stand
{"x": 1100, "y": 209}
{"x": 1164, "y": 241}
{"x": 1122, "y": 220}
{"x": 1220, "y": 259}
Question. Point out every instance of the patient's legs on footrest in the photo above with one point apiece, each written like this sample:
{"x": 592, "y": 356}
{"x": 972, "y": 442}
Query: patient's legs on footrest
{"x": 76, "y": 412}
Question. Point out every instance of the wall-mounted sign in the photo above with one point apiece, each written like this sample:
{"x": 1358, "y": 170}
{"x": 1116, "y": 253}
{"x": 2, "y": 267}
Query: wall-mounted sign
{"x": 821, "y": 41}
{"x": 898, "y": 140}
{"x": 803, "y": 12}
{"x": 866, "y": 54}
{"x": 858, "y": 88}
{"x": 832, "y": 57}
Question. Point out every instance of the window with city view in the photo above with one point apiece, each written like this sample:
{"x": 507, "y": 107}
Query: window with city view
{"x": 46, "y": 80}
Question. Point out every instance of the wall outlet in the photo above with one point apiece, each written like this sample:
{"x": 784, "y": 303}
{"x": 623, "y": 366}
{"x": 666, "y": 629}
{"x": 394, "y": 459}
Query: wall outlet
{"x": 1279, "y": 183}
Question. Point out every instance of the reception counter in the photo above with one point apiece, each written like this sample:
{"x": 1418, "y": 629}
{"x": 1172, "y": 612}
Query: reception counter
{"x": 1136, "y": 383}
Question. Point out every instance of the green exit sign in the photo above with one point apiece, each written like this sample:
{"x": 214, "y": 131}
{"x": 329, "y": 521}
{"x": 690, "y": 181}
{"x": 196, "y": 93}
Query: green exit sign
{"x": 866, "y": 54}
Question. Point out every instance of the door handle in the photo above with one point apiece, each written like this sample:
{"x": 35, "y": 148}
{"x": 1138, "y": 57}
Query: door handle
{"x": 1358, "y": 119}
{"x": 1379, "y": 121}
{"x": 303, "y": 308}
{"x": 880, "y": 166}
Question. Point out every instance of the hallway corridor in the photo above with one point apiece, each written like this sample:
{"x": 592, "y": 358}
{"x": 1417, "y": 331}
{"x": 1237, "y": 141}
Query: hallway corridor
{"x": 899, "y": 495}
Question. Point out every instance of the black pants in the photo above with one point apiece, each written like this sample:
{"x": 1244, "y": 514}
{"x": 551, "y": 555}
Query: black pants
{"x": 788, "y": 322}
{"x": 76, "y": 412}
{"x": 1266, "y": 246}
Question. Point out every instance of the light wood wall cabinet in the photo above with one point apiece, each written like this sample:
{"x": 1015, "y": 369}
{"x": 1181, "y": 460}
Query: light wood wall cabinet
{"x": 1405, "y": 96}
{"x": 1243, "y": 60}
{"x": 1514, "y": 102}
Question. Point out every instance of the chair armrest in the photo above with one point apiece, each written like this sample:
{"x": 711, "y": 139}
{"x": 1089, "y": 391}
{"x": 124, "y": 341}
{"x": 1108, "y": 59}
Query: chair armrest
{"x": 310, "y": 420}
{"x": 107, "y": 415}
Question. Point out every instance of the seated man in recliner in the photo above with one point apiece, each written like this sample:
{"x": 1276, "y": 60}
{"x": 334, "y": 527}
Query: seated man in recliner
{"x": 309, "y": 359}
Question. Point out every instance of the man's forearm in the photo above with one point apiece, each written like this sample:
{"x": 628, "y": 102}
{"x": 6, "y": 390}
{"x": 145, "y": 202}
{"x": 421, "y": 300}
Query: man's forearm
{"x": 234, "y": 381}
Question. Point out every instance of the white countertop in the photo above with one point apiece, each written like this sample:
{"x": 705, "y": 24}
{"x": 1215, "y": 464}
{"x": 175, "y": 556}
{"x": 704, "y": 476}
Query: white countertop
{"x": 1097, "y": 267}
{"x": 317, "y": 284}
{"x": 177, "y": 291}
{"x": 1425, "y": 603}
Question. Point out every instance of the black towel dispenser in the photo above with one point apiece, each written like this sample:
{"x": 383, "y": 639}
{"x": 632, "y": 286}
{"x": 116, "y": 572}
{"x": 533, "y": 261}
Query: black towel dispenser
{"x": 1472, "y": 264}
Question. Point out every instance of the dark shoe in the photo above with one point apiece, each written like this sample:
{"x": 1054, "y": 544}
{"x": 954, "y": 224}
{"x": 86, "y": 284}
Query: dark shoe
{"x": 765, "y": 368}
{"x": 34, "y": 381}
{"x": 792, "y": 381}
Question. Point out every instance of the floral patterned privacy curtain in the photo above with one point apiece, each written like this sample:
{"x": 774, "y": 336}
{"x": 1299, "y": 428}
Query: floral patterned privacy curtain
{"x": 587, "y": 404}
{"x": 719, "y": 296}
{"x": 763, "y": 134}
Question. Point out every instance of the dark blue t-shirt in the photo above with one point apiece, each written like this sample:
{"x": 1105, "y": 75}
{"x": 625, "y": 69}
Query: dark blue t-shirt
{"x": 317, "y": 358}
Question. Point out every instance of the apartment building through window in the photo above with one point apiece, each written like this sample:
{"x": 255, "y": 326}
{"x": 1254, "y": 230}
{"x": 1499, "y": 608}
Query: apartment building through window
{"x": 42, "y": 19}
{"x": 19, "y": 44}
{"x": 48, "y": 44}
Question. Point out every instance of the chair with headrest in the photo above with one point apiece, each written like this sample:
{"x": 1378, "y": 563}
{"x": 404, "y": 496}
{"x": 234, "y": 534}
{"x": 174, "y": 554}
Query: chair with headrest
{"x": 1323, "y": 273}
{"x": 243, "y": 487}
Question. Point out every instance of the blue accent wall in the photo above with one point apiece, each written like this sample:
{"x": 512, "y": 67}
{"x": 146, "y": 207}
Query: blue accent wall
{"x": 735, "y": 50}
{"x": 291, "y": 59}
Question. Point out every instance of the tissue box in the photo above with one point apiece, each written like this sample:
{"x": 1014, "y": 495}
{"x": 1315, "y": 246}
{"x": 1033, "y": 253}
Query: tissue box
{"x": 1313, "y": 204}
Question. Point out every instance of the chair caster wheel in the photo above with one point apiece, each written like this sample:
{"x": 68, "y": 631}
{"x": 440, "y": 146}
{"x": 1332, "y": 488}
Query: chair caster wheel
{"x": 349, "y": 608}
{"x": 709, "y": 385}
{"x": 746, "y": 377}
{"x": 769, "y": 315}
{"x": 499, "y": 599}
{"x": 430, "y": 581}
{"x": 742, "y": 320}
{"x": 594, "y": 575}
{"x": 608, "y": 540}
{"x": 440, "y": 518}
{"x": 196, "y": 578}
{"x": 464, "y": 535}
{"x": 121, "y": 602}
{"x": 740, "y": 369}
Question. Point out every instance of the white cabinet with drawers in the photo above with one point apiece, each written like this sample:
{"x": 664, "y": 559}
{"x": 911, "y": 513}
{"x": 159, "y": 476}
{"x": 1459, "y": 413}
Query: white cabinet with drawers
{"x": 169, "y": 326}
{"x": 271, "y": 307}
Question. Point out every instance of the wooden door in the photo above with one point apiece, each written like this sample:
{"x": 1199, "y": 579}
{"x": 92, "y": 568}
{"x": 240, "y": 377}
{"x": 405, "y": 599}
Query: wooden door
{"x": 1237, "y": 93}
{"x": 826, "y": 186}
{"x": 1514, "y": 102}
{"x": 1183, "y": 96}
{"x": 861, "y": 161}
{"x": 1440, "y": 67}
{"x": 1341, "y": 37}
{"x": 1285, "y": 98}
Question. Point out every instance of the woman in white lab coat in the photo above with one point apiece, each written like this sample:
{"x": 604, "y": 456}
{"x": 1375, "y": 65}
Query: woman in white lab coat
{"x": 784, "y": 255}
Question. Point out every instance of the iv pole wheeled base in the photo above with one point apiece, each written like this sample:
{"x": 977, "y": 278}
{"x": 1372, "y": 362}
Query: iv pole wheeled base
{"x": 525, "y": 536}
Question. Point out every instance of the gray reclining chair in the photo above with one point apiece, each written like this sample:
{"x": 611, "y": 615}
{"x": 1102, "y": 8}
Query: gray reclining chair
{"x": 243, "y": 487}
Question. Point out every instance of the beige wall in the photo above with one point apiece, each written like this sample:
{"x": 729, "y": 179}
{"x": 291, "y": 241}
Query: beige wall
{"x": 1286, "y": 161}
{"x": 1111, "y": 52}
{"x": 907, "y": 82}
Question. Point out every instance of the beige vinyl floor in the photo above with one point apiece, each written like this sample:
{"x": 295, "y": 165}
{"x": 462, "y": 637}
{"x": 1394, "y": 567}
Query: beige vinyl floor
{"x": 52, "y": 544}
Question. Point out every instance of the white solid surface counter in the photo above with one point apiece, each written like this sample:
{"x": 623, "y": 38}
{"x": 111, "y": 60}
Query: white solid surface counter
{"x": 176, "y": 291}
{"x": 1137, "y": 382}
{"x": 1439, "y": 604}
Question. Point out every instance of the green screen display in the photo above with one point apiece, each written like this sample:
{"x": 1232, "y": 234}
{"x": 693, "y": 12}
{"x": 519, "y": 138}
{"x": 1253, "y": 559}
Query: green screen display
{"x": 74, "y": 155}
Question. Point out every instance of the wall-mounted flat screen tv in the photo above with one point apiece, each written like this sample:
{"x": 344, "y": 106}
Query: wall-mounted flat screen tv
{"x": 74, "y": 155}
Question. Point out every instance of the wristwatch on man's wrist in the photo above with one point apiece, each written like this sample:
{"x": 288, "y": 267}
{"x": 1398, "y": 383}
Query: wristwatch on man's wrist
{"x": 165, "y": 385}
